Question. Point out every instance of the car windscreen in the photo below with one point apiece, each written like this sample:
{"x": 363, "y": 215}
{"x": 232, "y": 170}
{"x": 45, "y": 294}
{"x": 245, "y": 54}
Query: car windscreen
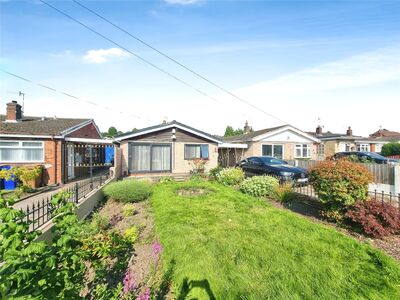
{"x": 374, "y": 155}
{"x": 272, "y": 161}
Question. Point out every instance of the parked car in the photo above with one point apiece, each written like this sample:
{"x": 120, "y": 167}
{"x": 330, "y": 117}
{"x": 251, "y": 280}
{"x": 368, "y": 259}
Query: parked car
{"x": 268, "y": 165}
{"x": 363, "y": 156}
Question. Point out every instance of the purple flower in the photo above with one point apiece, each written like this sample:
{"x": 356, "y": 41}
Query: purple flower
{"x": 145, "y": 295}
{"x": 157, "y": 248}
{"x": 129, "y": 281}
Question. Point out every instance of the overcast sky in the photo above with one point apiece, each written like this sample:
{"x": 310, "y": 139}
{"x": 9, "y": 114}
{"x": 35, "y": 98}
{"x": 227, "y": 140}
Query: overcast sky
{"x": 337, "y": 61}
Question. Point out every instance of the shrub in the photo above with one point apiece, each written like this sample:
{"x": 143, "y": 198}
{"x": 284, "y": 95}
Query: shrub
{"x": 100, "y": 222}
{"x": 128, "y": 210}
{"x": 198, "y": 165}
{"x": 214, "y": 172}
{"x": 375, "y": 218}
{"x": 260, "y": 186}
{"x": 230, "y": 176}
{"x": 391, "y": 149}
{"x": 128, "y": 190}
{"x": 340, "y": 183}
{"x": 284, "y": 192}
{"x": 166, "y": 179}
{"x": 131, "y": 234}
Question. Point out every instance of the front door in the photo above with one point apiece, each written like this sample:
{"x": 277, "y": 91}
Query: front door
{"x": 149, "y": 158}
{"x": 71, "y": 161}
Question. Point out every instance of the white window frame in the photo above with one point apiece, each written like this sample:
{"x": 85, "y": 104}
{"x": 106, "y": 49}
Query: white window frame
{"x": 320, "y": 149}
{"x": 272, "y": 148}
{"x": 364, "y": 147}
{"x": 20, "y": 143}
{"x": 301, "y": 146}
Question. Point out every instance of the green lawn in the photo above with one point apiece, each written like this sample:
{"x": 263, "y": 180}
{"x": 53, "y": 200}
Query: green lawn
{"x": 226, "y": 245}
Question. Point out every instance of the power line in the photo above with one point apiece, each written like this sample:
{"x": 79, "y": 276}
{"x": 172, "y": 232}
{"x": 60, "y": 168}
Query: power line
{"x": 71, "y": 96}
{"x": 177, "y": 62}
{"x": 131, "y": 52}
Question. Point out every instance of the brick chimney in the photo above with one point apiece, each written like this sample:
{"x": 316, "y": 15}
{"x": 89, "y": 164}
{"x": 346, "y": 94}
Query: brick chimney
{"x": 318, "y": 130}
{"x": 349, "y": 131}
{"x": 14, "y": 112}
{"x": 246, "y": 128}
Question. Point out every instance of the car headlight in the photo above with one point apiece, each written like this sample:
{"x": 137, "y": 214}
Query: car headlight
{"x": 286, "y": 174}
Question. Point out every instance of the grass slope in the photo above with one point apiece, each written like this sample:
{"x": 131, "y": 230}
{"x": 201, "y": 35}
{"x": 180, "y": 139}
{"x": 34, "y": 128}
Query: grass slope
{"x": 226, "y": 245}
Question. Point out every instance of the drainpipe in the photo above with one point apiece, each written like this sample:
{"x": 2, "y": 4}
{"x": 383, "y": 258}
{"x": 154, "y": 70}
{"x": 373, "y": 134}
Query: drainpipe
{"x": 55, "y": 158}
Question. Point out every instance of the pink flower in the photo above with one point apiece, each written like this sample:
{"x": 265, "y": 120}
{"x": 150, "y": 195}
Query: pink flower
{"x": 157, "y": 248}
{"x": 129, "y": 281}
{"x": 145, "y": 295}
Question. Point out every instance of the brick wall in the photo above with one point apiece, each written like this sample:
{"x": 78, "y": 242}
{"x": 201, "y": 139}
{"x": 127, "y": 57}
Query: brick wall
{"x": 52, "y": 162}
{"x": 88, "y": 131}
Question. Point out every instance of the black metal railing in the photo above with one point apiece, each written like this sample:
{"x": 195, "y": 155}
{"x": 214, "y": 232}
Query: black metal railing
{"x": 391, "y": 198}
{"x": 41, "y": 212}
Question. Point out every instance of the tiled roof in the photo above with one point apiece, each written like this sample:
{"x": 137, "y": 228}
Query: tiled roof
{"x": 38, "y": 125}
{"x": 249, "y": 136}
{"x": 331, "y": 135}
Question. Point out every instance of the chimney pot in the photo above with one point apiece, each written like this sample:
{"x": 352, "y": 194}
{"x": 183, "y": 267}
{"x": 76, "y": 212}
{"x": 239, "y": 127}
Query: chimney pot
{"x": 318, "y": 130}
{"x": 246, "y": 128}
{"x": 13, "y": 112}
{"x": 349, "y": 131}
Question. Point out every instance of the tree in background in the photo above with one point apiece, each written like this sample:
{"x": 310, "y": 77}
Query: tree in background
{"x": 229, "y": 131}
{"x": 391, "y": 149}
{"x": 112, "y": 132}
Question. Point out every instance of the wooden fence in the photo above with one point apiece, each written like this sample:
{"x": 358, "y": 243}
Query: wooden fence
{"x": 383, "y": 174}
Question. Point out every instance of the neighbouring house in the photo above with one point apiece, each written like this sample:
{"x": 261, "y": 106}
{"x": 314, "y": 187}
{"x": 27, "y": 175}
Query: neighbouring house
{"x": 332, "y": 143}
{"x": 170, "y": 147}
{"x": 65, "y": 148}
{"x": 286, "y": 142}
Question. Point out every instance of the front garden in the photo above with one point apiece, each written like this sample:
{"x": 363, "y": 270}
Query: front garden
{"x": 223, "y": 238}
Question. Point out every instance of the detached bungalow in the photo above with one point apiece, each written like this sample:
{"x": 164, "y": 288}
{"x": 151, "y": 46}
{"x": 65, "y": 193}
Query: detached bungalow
{"x": 166, "y": 148}
{"x": 65, "y": 148}
{"x": 285, "y": 142}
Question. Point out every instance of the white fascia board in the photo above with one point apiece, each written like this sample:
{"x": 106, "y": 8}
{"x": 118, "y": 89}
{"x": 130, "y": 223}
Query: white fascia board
{"x": 87, "y": 140}
{"x": 166, "y": 127}
{"x": 233, "y": 145}
{"x": 32, "y": 136}
{"x": 279, "y": 130}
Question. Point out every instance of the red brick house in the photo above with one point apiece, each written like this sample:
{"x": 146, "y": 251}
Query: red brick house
{"x": 59, "y": 145}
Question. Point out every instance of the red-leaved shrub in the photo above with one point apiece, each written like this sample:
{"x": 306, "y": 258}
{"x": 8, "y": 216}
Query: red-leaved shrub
{"x": 375, "y": 218}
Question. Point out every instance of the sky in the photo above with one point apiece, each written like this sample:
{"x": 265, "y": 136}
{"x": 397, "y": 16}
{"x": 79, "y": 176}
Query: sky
{"x": 306, "y": 63}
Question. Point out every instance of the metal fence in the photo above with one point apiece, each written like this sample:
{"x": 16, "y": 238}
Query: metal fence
{"x": 391, "y": 198}
{"x": 42, "y": 211}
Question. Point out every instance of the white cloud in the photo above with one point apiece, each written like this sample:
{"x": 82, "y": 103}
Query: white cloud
{"x": 182, "y": 2}
{"x": 343, "y": 92}
{"x": 104, "y": 55}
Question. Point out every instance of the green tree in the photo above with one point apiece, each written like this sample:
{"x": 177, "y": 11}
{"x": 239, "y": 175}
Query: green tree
{"x": 229, "y": 131}
{"x": 391, "y": 149}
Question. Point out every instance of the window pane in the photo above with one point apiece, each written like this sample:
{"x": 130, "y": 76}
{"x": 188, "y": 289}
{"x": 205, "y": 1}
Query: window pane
{"x": 32, "y": 154}
{"x": 298, "y": 152}
{"x": 204, "y": 151}
{"x": 32, "y": 144}
{"x": 305, "y": 151}
{"x": 9, "y": 144}
{"x": 278, "y": 151}
{"x": 267, "y": 150}
{"x": 140, "y": 158}
{"x": 192, "y": 151}
{"x": 10, "y": 155}
{"x": 160, "y": 158}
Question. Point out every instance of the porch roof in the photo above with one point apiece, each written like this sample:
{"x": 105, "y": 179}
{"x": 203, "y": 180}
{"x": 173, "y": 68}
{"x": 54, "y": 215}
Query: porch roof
{"x": 233, "y": 145}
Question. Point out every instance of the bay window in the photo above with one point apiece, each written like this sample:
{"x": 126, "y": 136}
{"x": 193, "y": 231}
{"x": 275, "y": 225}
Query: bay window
{"x": 302, "y": 151}
{"x": 21, "y": 151}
